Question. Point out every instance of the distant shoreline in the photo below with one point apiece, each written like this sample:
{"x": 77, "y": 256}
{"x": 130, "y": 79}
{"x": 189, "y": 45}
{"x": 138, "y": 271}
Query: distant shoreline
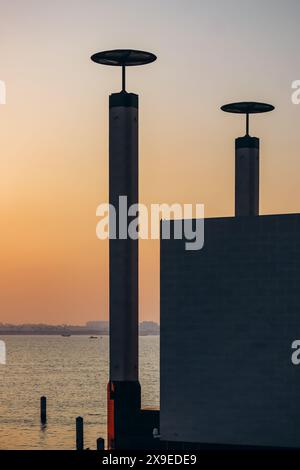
{"x": 75, "y": 333}
{"x": 91, "y": 328}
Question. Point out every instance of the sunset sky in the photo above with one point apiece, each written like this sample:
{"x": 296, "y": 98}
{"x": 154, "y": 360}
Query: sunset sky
{"x": 54, "y": 133}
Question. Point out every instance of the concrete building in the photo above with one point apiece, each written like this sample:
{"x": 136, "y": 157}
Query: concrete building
{"x": 97, "y": 325}
{"x": 229, "y": 315}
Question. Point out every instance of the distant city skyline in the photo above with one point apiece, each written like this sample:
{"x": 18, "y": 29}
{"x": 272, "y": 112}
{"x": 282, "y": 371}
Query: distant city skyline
{"x": 54, "y": 133}
{"x": 97, "y": 327}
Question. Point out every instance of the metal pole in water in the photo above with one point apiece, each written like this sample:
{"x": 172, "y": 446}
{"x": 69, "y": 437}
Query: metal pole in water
{"x": 43, "y": 410}
{"x": 100, "y": 443}
{"x": 79, "y": 433}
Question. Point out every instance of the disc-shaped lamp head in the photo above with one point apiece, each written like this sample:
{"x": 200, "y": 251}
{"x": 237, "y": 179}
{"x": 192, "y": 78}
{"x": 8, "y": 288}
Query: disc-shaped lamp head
{"x": 123, "y": 58}
{"x": 247, "y": 108}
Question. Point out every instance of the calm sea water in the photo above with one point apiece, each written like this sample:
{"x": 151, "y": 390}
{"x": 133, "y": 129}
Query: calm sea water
{"x": 72, "y": 372}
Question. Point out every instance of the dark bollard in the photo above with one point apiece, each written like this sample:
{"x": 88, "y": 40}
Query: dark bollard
{"x": 79, "y": 433}
{"x": 43, "y": 410}
{"x": 100, "y": 444}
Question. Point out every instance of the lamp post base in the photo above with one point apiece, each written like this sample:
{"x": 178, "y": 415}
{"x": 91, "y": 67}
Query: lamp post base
{"x": 128, "y": 426}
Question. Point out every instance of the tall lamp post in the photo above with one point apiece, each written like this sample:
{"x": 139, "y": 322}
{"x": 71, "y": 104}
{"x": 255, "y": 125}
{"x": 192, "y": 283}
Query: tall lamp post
{"x": 247, "y": 160}
{"x": 124, "y": 391}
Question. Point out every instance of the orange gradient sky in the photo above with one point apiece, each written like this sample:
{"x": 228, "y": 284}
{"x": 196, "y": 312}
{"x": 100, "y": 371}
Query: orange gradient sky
{"x": 53, "y": 133}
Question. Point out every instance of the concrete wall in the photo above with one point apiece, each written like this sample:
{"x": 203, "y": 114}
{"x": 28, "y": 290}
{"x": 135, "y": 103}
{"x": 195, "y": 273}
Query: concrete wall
{"x": 229, "y": 314}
